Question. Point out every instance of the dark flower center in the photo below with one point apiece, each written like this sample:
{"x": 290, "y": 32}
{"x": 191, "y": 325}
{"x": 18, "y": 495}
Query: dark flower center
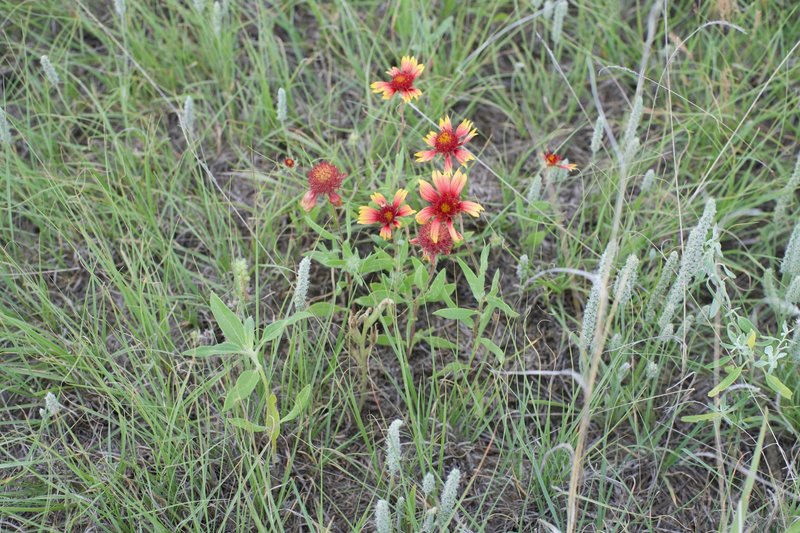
{"x": 402, "y": 82}
{"x": 446, "y": 142}
{"x": 388, "y": 215}
{"x": 447, "y": 206}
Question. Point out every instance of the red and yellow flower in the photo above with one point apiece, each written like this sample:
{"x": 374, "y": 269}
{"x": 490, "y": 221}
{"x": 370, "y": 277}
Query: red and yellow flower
{"x": 323, "y": 178}
{"x": 402, "y": 80}
{"x": 449, "y": 143}
{"x": 552, "y": 159}
{"x": 387, "y": 214}
{"x": 444, "y": 197}
{"x": 431, "y": 247}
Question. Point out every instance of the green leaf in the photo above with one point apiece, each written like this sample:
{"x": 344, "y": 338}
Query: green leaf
{"x": 275, "y": 330}
{"x": 245, "y": 384}
{"x": 421, "y": 275}
{"x": 273, "y": 421}
{"x": 484, "y": 264}
{"x": 322, "y": 232}
{"x": 300, "y": 403}
{"x": 504, "y": 307}
{"x": 475, "y": 282}
{"x": 457, "y": 313}
{"x": 495, "y": 349}
{"x": 778, "y": 386}
{"x": 453, "y": 368}
{"x": 705, "y": 417}
{"x": 228, "y": 322}
{"x": 246, "y": 425}
{"x": 323, "y": 309}
{"x": 726, "y": 382}
{"x": 224, "y": 348}
{"x": 437, "y": 342}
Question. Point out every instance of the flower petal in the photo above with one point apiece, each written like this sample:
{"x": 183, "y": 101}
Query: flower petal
{"x": 427, "y": 192}
{"x": 404, "y": 211}
{"x": 463, "y": 129}
{"x": 386, "y": 232}
{"x": 448, "y": 163}
{"x": 383, "y": 87}
{"x": 408, "y": 63}
{"x": 430, "y": 139}
{"x": 445, "y": 124}
{"x": 457, "y": 182}
{"x": 425, "y": 155}
{"x": 368, "y": 215}
{"x": 425, "y": 215}
{"x": 410, "y": 94}
{"x": 435, "y": 231}
{"x": 441, "y": 181}
{"x": 335, "y": 198}
{"x": 463, "y": 156}
{"x": 309, "y": 200}
{"x": 456, "y": 236}
{"x": 471, "y": 208}
{"x": 399, "y": 197}
{"x": 378, "y": 198}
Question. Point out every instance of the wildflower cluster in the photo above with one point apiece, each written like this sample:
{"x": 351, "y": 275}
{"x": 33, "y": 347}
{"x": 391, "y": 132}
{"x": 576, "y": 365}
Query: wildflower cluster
{"x": 437, "y": 220}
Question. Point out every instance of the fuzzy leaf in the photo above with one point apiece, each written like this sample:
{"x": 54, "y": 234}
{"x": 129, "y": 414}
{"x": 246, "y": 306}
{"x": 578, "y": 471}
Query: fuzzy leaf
{"x": 726, "y": 382}
{"x": 228, "y": 322}
{"x": 245, "y": 384}
{"x": 778, "y": 386}
{"x": 300, "y": 403}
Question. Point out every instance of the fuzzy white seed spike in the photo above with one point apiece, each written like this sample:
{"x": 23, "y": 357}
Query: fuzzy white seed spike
{"x": 430, "y": 520}
{"x": 522, "y": 268}
{"x": 787, "y": 193}
{"x": 301, "y": 288}
{"x": 428, "y": 484}
{"x": 216, "y": 19}
{"x": 623, "y": 371}
{"x": 626, "y": 279}
{"x": 5, "y": 129}
{"x": 649, "y": 179}
{"x": 535, "y": 190}
{"x": 49, "y": 71}
{"x": 549, "y": 7}
{"x": 657, "y": 297}
{"x": 597, "y": 135}
{"x": 791, "y": 258}
{"x": 51, "y": 405}
{"x": 281, "y": 107}
{"x": 119, "y": 7}
{"x": 401, "y": 501}
{"x": 199, "y": 5}
{"x": 690, "y": 264}
{"x": 241, "y": 278}
{"x": 634, "y": 119}
{"x": 651, "y": 370}
{"x": 187, "y": 118}
{"x": 449, "y": 497}
{"x": 559, "y": 12}
{"x": 393, "y": 450}
{"x": 593, "y": 303}
{"x": 383, "y": 520}
{"x": 793, "y": 292}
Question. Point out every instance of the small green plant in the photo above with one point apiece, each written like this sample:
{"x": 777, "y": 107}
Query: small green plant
{"x": 240, "y": 339}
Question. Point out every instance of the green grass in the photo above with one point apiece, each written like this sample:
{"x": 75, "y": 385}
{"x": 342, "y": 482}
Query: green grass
{"x": 115, "y": 229}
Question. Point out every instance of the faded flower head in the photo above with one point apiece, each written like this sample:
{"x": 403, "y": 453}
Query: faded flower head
{"x": 402, "y": 80}
{"x": 387, "y": 215}
{"x": 323, "y": 178}
{"x": 449, "y": 143}
{"x": 432, "y": 248}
